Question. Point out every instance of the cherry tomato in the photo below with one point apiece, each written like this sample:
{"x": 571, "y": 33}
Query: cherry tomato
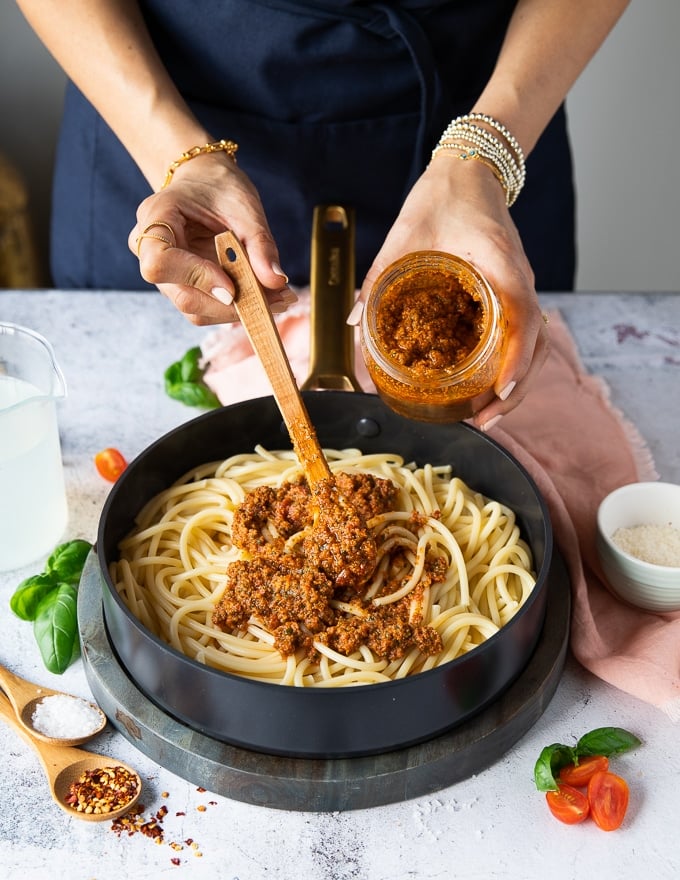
{"x": 579, "y": 775}
{"x": 608, "y": 799}
{"x": 568, "y": 804}
{"x": 110, "y": 463}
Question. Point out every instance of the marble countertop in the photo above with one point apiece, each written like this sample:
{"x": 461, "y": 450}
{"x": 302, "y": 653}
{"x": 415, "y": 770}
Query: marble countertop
{"x": 113, "y": 349}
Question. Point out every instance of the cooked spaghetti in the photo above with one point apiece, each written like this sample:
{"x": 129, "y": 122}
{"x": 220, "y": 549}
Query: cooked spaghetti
{"x": 451, "y": 570}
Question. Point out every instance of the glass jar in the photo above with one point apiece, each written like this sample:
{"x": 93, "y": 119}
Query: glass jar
{"x": 433, "y": 337}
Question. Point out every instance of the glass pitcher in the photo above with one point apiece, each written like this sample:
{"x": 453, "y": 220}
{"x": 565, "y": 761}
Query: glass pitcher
{"x": 33, "y": 509}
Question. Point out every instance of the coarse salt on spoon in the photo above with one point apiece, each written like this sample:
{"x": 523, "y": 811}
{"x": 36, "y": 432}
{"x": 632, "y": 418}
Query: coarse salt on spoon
{"x": 346, "y": 548}
{"x": 84, "y": 784}
{"x": 36, "y": 707}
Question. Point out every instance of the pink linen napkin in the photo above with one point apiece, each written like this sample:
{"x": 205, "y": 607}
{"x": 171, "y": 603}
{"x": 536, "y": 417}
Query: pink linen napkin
{"x": 577, "y": 448}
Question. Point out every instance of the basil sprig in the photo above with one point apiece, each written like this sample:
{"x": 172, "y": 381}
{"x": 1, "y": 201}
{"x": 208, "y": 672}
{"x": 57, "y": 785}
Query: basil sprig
{"x": 49, "y": 599}
{"x": 184, "y": 382}
{"x": 605, "y": 741}
{"x": 56, "y": 628}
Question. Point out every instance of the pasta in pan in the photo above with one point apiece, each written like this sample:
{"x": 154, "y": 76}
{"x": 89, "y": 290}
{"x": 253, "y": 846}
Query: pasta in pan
{"x": 451, "y": 570}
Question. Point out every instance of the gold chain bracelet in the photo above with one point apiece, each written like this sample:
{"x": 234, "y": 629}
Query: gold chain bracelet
{"x": 229, "y": 147}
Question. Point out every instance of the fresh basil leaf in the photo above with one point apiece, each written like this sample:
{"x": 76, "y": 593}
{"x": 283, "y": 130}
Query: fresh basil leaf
{"x": 189, "y": 365}
{"x": 184, "y": 382}
{"x": 606, "y": 741}
{"x": 68, "y": 560}
{"x": 193, "y": 394}
{"x": 550, "y": 762}
{"x": 56, "y": 628}
{"x": 28, "y": 595}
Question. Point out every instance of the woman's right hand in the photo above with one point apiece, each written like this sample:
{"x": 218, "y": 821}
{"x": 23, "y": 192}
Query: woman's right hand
{"x": 206, "y": 195}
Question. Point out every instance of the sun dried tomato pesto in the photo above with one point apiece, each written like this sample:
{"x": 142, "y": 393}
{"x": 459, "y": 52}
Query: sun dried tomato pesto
{"x": 292, "y": 589}
{"x": 431, "y": 324}
{"x": 433, "y": 337}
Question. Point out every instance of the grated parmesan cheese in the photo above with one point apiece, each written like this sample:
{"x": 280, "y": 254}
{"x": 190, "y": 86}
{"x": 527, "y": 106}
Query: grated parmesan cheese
{"x": 659, "y": 545}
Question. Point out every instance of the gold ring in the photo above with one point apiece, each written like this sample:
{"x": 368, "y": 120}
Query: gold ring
{"x": 546, "y": 319}
{"x": 161, "y": 223}
{"x": 139, "y": 238}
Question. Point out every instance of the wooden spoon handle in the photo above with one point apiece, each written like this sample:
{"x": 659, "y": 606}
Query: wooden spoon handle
{"x": 253, "y": 310}
{"x": 18, "y": 690}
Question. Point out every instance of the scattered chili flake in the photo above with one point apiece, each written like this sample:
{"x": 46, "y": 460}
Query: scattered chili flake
{"x": 201, "y": 808}
{"x": 134, "y": 822}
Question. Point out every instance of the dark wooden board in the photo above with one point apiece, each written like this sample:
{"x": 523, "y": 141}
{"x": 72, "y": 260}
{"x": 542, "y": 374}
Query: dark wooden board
{"x": 321, "y": 785}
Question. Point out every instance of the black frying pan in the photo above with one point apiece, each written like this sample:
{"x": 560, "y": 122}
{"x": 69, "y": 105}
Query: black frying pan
{"x": 316, "y": 723}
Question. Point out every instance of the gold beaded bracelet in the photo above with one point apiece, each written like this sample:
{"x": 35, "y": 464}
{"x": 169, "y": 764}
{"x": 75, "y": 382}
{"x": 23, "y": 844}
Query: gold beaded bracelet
{"x": 505, "y": 158}
{"x": 229, "y": 147}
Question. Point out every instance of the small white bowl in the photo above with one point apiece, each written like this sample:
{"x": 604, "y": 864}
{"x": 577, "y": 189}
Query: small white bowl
{"x": 644, "y": 584}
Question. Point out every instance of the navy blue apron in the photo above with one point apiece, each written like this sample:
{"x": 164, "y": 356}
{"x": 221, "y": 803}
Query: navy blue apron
{"x": 331, "y": 101}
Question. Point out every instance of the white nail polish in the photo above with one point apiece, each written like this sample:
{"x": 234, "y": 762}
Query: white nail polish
{"x": 277, "y": 270}
{"x": 288, "y": 296}
{"x": 487, "y": 426}
{"x": 507, "y": 391}
{"x": 355, "y": 315}
{"x": 222, "y": 295}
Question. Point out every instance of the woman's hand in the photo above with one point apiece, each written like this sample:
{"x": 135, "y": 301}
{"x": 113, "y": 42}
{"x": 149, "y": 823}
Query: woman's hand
{"x": 174, "y": 239}
{"x": 459, "y": 207}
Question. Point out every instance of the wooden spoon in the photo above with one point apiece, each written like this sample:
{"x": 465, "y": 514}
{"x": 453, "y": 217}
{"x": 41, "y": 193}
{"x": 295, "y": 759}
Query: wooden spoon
{"x": 64, "y": 765}
{"x": 345, "y": 548}
{"x": 25, "y": 696}
{"x": 253, "y": 310}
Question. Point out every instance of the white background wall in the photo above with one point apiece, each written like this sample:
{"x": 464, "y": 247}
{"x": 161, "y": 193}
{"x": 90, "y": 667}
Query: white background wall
{"x": 625, "y": 122}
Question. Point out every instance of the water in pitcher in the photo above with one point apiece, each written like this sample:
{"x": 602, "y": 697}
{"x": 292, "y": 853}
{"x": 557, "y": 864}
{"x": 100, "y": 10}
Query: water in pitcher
{"x": 33, "y": 511}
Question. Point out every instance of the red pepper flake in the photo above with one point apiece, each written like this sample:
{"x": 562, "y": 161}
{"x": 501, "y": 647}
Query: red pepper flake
{"x": 134, "y": 822}
{"x": 102, "y": 790}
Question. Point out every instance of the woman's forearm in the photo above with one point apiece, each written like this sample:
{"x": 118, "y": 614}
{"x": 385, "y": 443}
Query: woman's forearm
{"x": 547, "y": 46}
{"x": 105, "y": 49}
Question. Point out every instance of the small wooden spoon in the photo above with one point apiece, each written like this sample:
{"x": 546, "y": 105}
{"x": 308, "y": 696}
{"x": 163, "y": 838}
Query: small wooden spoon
{"x": 64, "y": 765}
{"x": 25, "y": 696}
{"x": 253, "y": 310}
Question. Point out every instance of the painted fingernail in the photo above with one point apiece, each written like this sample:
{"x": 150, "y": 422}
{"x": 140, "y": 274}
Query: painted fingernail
{"x": 507, "y": 391}
{"x": 288, "y": 296}
{"x": 355, "y": 315}
{"x": 277, "y": 270}
{"x": 278, "y": 307}
{"x": 487, "y": 426}
{"x": 222, "y": 295}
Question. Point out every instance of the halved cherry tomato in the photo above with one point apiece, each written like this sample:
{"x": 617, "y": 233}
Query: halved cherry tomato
{"x": 608, "y": 799}
{"x": 568, "y": 804}
{"x": 110, "y": 463}
{"x": 579, "y": 775}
